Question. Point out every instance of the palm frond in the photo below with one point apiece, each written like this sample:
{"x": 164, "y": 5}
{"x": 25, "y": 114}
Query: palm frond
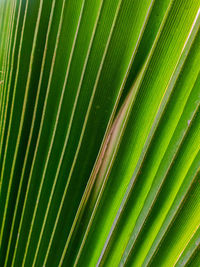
{"x": 99, "y": 133}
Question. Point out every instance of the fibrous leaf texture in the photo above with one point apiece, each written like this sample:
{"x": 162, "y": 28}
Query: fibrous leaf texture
{"x": 99, "y": 133}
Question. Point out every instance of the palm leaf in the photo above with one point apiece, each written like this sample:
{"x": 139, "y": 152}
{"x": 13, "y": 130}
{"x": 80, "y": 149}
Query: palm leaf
{"x": 99, "y": 133}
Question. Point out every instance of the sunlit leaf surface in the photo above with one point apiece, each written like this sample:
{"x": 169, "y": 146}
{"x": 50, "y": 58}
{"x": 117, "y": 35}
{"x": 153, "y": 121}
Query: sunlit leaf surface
{"x": 99, "y": 133}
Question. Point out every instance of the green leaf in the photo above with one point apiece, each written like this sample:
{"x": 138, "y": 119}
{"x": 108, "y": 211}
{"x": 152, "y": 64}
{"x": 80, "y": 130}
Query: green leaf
{"x": 99, "y": 132}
